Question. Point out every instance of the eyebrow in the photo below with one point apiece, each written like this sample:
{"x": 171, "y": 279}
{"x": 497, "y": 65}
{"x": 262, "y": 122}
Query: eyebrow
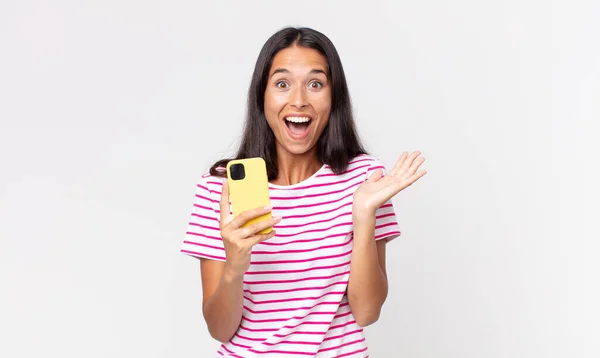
{"x": 284, "y": 70}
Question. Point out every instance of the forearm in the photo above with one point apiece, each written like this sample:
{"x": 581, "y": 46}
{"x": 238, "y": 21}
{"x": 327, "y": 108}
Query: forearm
{"x": 223, "y": 310}
{"x": 367, "y": 286}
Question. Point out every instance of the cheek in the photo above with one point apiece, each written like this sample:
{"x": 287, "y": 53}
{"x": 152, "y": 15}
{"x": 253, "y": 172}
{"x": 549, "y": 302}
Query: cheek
{"x": 325, "y": 109}
{"x": 270, "y": 111}
{"x": 323, "y": 102}
{"x": 273, "y": 103}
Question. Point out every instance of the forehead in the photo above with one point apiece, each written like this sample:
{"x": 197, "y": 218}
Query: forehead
{"x": 299, "y": 59}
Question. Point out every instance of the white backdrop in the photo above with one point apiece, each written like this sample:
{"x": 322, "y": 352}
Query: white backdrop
{"x": 111, "y": 110}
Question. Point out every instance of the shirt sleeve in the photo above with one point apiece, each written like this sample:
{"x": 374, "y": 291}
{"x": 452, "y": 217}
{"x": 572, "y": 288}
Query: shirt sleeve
{"x": 386, "y": 223}
{"x": 203, "y": 235}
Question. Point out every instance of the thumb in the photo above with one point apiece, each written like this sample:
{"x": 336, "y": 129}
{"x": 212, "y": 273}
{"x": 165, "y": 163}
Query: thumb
{"x": 377, "y": 174}
{"x": 226, "y": 216}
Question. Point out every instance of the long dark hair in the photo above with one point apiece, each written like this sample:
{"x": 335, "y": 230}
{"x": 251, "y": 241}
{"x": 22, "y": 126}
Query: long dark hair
{"x": 339, "y": 142}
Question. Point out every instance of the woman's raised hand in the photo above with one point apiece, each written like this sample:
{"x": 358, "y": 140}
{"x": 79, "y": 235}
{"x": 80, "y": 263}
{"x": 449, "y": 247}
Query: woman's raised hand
{"x": 378, "y": 189}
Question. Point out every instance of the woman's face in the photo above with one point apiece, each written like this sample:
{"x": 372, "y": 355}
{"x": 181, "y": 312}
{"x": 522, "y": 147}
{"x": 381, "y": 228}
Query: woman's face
{"x": 298, "y": 98}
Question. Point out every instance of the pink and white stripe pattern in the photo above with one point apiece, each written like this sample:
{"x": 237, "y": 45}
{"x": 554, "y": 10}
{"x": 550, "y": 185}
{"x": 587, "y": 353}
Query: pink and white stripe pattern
{"x": 295, "y": 300}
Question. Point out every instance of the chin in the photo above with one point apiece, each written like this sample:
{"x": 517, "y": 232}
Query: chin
{"x": 298, "y": 149}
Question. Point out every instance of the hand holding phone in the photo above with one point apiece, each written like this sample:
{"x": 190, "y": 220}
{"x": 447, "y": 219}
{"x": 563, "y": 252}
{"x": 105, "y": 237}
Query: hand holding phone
{"x": 251, "y": 221}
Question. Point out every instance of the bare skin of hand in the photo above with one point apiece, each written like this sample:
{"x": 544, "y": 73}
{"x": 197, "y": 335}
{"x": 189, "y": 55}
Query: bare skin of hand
{"x": 238, "y": 240}
{"x": 378, "y": 189}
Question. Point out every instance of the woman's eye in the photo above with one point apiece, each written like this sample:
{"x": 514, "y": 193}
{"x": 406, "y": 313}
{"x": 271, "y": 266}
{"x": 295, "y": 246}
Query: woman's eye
{"x": 315, "y": 85}
{"x": 281, "y": 84}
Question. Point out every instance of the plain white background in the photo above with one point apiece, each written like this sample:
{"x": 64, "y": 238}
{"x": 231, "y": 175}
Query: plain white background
{"x": 111, "y": 110}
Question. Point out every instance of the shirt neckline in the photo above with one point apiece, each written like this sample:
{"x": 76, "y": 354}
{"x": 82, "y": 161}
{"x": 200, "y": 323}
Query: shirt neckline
{"x": 302, "y": 183}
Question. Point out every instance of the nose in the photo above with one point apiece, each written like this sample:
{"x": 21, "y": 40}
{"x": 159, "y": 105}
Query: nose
{"x": 298, "y": 97}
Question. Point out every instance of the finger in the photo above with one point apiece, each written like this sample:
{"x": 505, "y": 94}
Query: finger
{"x": 399, "y": 163}
{"x": 419, "y": 174}
{"x": 415, "y": 165}
{"x": 255, "y": 228}
{"x": 375, "y": 176}
{"x": 226, "y": 216}
{"x": 413, "y": 178}
{"x": 409, "y": 161}
{"x": 400, "y": 184}
{"x": 248, "y": 215}
{"x": 262, "y": 237}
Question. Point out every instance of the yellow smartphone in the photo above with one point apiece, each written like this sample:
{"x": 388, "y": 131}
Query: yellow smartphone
{"x": 249, "y": 188}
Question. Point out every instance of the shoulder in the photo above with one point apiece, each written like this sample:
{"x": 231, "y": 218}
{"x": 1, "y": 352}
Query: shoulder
{"x": 211, "y": 185}
{"x": 365, "y": 159}
{"x": 366, "y": 163}
{"x": 359, "y": 168}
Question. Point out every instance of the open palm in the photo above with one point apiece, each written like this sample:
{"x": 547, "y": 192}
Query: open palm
{"x": 378, "y": 189}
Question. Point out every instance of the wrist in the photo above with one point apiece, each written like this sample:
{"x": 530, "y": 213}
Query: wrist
{"x": 231, "y": 275}
{"x": 362, "y": 215}
{"x": 363, "y": 227}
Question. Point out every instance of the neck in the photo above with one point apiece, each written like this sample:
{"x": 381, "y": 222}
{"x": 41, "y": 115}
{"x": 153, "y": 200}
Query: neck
{"x": 295, "y": 168}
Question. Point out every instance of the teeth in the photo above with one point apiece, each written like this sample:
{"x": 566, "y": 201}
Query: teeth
{"x": 298, "y": 119}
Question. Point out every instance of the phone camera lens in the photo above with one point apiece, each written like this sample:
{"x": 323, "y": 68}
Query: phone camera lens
{"x": 237, "y": 171}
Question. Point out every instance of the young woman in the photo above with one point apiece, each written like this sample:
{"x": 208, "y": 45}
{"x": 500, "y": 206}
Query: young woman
{"x": 308, "y": 287}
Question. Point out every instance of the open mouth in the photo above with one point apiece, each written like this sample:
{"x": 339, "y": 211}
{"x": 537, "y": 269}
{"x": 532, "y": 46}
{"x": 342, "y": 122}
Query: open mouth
{"x": 298, "y": 125}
